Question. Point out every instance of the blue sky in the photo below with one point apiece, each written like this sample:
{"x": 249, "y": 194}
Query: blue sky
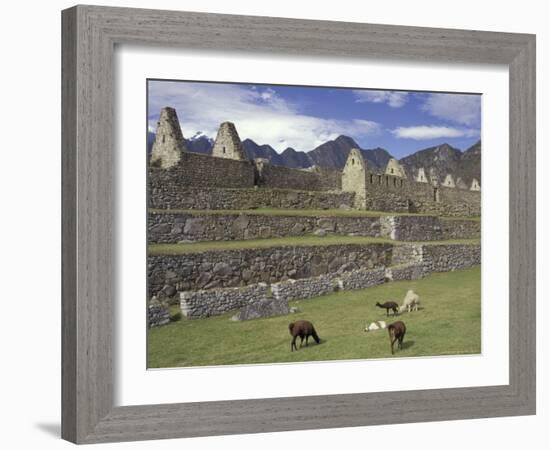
{"x": 304, "y": 117}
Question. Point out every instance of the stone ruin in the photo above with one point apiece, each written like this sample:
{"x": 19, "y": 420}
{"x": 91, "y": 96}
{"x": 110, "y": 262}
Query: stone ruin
{"x": 354, "y": 177}
{"x": 169, "y": 142}
{"x": 355, "y": 186}
{"x": 217, "y": 282}
{"x": 449, "y": 181}
{"x": 158, "y": 313}
{"x": 460, "y": 184}
{"x": 228, "y": 144}
{"x": 394, "y": 168}
{"x": 421, "y": 176}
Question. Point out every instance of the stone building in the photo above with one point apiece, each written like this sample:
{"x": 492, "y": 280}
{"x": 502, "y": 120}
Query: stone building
{"x": 449, "y": 181}
{"x": 475, "y": 186}
{"x": 460, "y": 184}
{"x": 228, "y": 144}
{"x": 394, "y": 168}
{"x": 169, "y": 143}
{"x": 421, "y": 176}
{"x": 354, "y": 177}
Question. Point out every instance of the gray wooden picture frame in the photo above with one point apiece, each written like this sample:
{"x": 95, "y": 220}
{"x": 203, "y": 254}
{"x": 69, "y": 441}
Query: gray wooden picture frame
{"x": 90, "y": 34}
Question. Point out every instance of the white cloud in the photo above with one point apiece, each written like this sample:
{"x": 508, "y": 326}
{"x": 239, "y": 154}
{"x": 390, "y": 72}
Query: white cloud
{"x": 459, "y": 108}
{"x": 395, "y": 99}
{"x": 259, "y": 114}
{"x": 432, "y": 132}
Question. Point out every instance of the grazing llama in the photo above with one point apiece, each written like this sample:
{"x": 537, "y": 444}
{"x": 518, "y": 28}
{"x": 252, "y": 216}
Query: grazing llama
{"x": 302, "y": 329}
{"x": 410, "y": 302}
{"x": 396, "y": 330}
{"x": 387, "y": 306}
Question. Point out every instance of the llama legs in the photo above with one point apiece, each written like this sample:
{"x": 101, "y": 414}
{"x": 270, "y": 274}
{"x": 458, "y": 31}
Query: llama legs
{"x": 293, "y": 344}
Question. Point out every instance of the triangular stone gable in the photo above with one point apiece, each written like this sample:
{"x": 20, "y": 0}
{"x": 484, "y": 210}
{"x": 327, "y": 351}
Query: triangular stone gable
{"x": 394, "y": 168}
{"x": 354, "y": 176}
{"x": 475, "y": 186}
{"x": 449, "y": 181}
{"x": 421, "y": 176}
{"x": 228, "y": 144}
{"x": 169, "y": 142}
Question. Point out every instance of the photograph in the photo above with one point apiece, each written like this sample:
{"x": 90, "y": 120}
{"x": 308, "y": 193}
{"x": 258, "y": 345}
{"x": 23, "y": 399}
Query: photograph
{"x": 292, "y": 224}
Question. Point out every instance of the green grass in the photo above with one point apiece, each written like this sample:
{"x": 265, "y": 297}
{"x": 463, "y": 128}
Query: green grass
{"x": 296, "y": 241}
{"x": 472, "y": 218}
{"x": 293, "y": 212}
{"x": 449, "y": 323}
{"x": 283, "y": 212}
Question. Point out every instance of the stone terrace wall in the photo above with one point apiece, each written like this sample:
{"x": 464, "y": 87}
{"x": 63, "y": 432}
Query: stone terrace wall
{"x": 413, "y": 261}
{"x": 183, "y": 227}
{"x": 157, "y": 314}
{"x": 325, "y": 284}
{"x": 198, "y": 170}
{"x": 460, "y": 229}
{"x": 231, "y": 268}
{"x": 280, "y": 177}
{"x": 407, "y": 254}
{"x": 211, "y": 302}
{"x": 446, "y": 258}
{"x": 173, "y": 228}
{"x": 415, "y": 228}
{"x": 181, "y": 197}
{"x": 405, "y": 272}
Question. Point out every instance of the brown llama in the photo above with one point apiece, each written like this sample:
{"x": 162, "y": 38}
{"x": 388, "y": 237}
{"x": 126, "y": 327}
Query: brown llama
{"x": 396, "y": 330}
{"x": 302, "y": 329}
{"x": 387, "y": 306}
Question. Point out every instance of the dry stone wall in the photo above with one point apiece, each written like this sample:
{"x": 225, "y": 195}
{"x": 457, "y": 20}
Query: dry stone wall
{"x": 460, "y": 228}
{"x": 410, "y": 261}
{"x": 211, "y": 302}
{"x": 171, "y": 196}
{"x": 173, "y": 228}
{"x": 444, "y": 201}
{"x": 280, "y": 177}
{"x": 204, "y": 182}
{"x": 231, "y": 268}
{"x": 329, "y": 179}
{"x": 158, "y": 314}
{"x": 405, "y": 272}
{"x": 395, "y": 193}
{"x": 182, "y": 227}
{"x": 447, "y": 258}
{"x": 197, "y": 170}
{"x": 413, "y": 228}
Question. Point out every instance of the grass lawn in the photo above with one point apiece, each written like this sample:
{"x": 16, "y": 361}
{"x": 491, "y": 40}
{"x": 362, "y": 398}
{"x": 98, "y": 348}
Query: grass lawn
{"x": 294, "y": 241}
{"x": 449, "y": 323}
{"x": 293, "y": 212}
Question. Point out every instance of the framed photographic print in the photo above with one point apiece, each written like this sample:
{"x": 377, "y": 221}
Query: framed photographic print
{"x": 264, "y": 229}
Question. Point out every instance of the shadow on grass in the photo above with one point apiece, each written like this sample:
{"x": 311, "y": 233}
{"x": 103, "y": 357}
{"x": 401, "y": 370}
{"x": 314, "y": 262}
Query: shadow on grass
{"x": 303, "y": 347}
{"x": 406, "y": 345}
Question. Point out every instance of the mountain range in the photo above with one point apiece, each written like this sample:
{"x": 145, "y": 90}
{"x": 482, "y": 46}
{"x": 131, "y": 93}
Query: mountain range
{"x": 437, "y": 161}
